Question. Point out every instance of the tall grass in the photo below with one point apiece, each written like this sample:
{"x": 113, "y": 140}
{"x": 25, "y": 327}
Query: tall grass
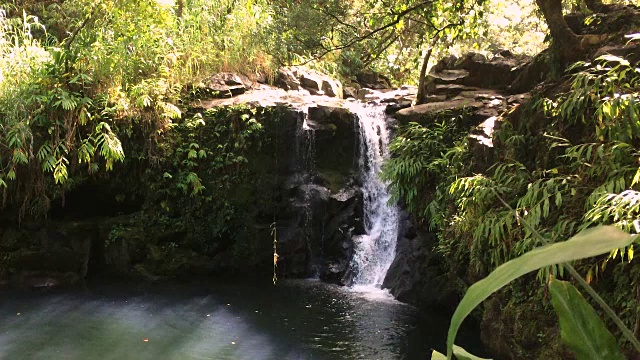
{"x": 113, "y": 67}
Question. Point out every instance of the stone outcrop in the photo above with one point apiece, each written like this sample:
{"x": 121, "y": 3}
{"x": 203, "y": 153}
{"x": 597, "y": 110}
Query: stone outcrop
{"x": 223, "y": 85}
{"x": 299, "y": 78}
{"x": 372, "y": 80}
{"x": 475, "y": 70}
{"x": 472, "y": 90}
{"x": 424, "y": 285}
{"x": 301, "y": 177}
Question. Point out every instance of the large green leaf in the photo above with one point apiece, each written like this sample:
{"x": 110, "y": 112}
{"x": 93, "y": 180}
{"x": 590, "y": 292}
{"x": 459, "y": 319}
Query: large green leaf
{"x": 591, "y": 242}
{"x": 460, "y": 353}
{"x": 582, "y": 329}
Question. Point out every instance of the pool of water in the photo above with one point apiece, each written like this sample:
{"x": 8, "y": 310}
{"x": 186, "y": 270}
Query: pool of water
{"x": 221, "y": 319}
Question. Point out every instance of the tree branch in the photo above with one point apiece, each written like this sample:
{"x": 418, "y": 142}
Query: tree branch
{"x": 69, "y": 40}
{"x": 398, "y": 17}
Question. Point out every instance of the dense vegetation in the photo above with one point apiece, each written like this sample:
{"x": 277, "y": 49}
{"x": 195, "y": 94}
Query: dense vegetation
{"x": 81, "y": 76}
{"x": 99, "y": 91}
{"x": 565, "y": 162}
{"x": 77, "y": 76}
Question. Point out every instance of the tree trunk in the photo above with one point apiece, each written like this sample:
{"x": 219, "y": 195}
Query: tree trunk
{"x": 179, "y": 7}
{"x": 421, "y": 96}
{"x": 567, "y": 43}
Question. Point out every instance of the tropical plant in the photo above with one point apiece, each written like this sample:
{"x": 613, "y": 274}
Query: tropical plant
{"x": 423, "y": 155}
{"x": 582, "y": 330}
{"x": 108, "y": 71}
{"x": 565, "y": 162}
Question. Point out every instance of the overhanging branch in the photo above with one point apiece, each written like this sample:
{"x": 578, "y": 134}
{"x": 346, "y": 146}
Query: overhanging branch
{"x": 398, "y": 17}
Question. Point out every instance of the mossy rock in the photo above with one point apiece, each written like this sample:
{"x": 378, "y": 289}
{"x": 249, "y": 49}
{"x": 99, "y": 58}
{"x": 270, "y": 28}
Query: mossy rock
{"x": 334, "y": 180}
{"x": 428, "y": 113}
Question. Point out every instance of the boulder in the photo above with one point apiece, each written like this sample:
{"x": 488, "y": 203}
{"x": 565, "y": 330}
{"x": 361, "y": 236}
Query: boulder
{"x": 350, "y": 92}
{"x": 452, "y": 90}
{"x": 630, "y": 52}
{"x": 473, "y": 70}
{"x": 532, "y": 73}
{"x": 447, "y": 62}
{"x": 287, "y": 79}
{"x": 311, "y": 82}
{"x": 394, "y": 107}
{"x": 469, "y": 60}
{"x": 373, "y": 80}
{"x": 316, "y": 83}
{"x": 226, "y": 85}
{"x": 427, "y": 112}
{"x": 448, "y": 76}
{"x": 616, "y": 19}
{"x": 417, "y": 275}
{"x": 498, "y": 73}
{"x": 364, "y": 92}
{"x": 328, "y": 113}
{"x": 332, "y": 88}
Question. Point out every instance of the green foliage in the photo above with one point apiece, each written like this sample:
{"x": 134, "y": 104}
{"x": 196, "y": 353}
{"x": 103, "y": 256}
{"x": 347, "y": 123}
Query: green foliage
{"x": 565, "y": 162}
{"x": 212, "y": 145}
{"x": 586, "y": 244}
{"x": 356, "y": 35}
{"x": 581, "y": 172}
{"x": 575, "y": 319}
{"x": 422, "y": 155}
{"x": 581, "y": 328}
{"x": 108, "y": 69}
{"x": 48, "y": 122}
{"x": 83, "y": 77}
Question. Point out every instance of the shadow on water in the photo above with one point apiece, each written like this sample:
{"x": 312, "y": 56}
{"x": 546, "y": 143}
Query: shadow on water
{"x": 220, "y": 319}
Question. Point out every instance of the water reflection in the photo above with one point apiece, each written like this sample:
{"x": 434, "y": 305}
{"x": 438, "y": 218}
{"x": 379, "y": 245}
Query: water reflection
{"x": 222, "y": 320}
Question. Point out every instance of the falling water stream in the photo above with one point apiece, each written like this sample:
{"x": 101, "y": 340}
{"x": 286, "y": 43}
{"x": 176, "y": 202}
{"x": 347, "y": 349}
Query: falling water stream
{"x": 375, "y": 250}
{"x": 239, "y": 319}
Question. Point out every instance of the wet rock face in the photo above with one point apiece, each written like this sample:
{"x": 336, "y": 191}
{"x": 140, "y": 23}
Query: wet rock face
{"x": 45, "y": 256}
{"x": 335, "y": 137}
{"x": 416, "y": 274}
{"x": 319, "y": 239}
{"x": 325, "y": 201}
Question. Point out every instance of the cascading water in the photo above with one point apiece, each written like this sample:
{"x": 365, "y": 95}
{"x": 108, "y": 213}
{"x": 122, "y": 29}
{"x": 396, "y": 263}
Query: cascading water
{"x": 306, "y": 153}
{"x": 376, "y": 249}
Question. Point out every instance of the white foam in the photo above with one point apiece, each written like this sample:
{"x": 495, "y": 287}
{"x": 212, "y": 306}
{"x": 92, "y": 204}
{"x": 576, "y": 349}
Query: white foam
{"x": 375, "y": 250}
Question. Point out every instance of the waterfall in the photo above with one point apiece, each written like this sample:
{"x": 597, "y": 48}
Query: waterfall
{"x": 375, "y": 249}
{"x": 306, "y": 155}
{"x": 305, "y": 146}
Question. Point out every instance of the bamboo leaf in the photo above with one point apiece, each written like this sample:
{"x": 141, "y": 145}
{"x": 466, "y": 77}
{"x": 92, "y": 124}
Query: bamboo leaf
{"x": 581, "y": 328}
{"x": 591, "y": 242}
